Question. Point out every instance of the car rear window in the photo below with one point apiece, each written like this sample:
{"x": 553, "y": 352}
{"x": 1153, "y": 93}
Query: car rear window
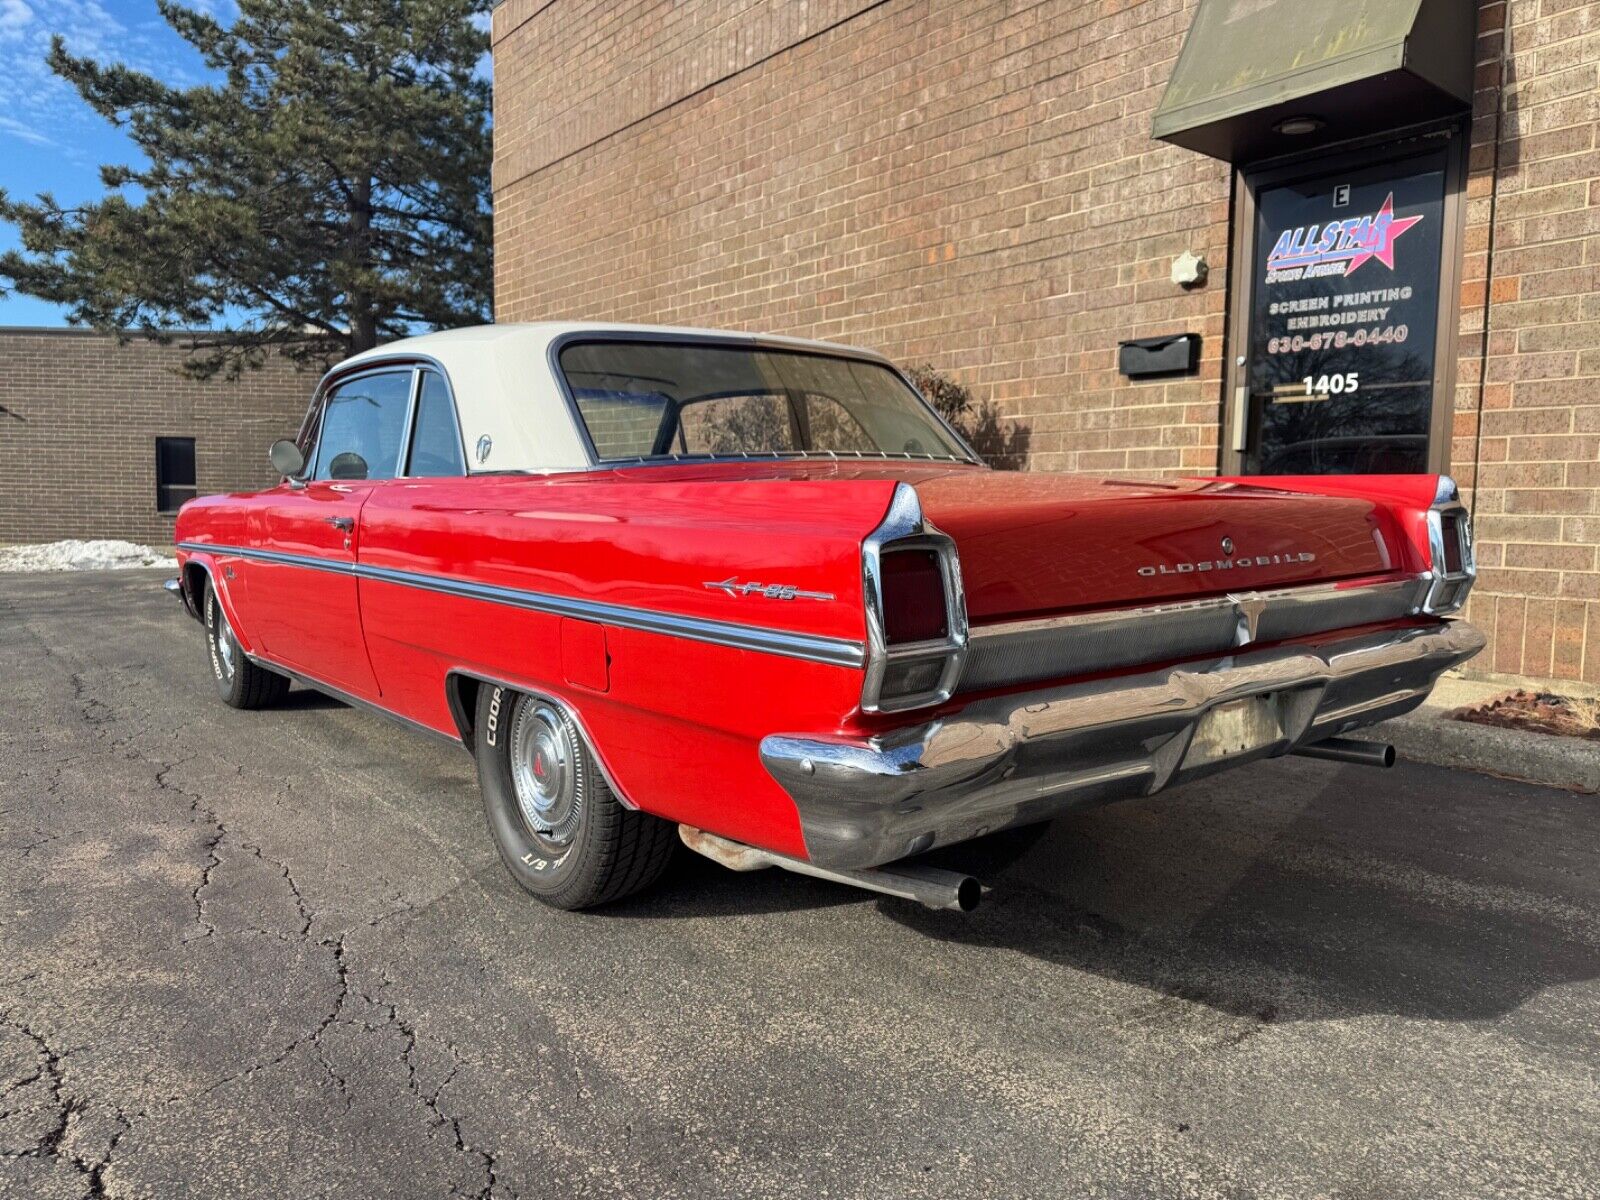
{"x": 645, "y": 400}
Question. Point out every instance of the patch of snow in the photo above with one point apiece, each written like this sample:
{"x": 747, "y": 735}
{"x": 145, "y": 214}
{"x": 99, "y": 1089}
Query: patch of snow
{"x": 74, "y": 554}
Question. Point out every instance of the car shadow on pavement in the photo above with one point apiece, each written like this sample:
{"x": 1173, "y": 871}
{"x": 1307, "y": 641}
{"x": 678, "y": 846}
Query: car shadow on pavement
{"x": 697, "y": 887}
{"x": 307, "y": 699}
{"x": 1403, "y": 897}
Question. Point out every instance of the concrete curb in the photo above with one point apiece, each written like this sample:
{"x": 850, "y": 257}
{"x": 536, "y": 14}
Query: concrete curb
{"x": 1429, "y": 736}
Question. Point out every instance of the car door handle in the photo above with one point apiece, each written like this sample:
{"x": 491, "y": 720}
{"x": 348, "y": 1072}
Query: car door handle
{"x": 344, "y": 523}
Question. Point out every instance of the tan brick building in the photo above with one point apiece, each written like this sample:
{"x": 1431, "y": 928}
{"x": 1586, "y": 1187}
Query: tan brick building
{"x": 976, "y": 185}
{"x": 100, "y": 439}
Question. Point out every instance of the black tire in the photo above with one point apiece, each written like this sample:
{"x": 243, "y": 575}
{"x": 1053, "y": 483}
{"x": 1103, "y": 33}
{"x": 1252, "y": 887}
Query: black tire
{"x": 574, "y": 845}
{"x": 240, "y": 682}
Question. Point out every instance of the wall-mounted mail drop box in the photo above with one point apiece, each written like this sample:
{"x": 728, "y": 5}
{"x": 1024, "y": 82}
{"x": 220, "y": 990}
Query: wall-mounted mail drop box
{"x": 1173, "y": 354}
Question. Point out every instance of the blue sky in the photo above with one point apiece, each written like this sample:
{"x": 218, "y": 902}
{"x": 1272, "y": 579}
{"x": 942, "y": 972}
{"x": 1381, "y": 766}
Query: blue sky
{"x": 49, "y": 139}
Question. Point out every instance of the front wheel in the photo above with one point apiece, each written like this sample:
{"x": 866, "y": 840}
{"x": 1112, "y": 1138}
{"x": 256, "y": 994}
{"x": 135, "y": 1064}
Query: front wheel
{"x": 240, "y": 682}
{"x": 560, "y": 829}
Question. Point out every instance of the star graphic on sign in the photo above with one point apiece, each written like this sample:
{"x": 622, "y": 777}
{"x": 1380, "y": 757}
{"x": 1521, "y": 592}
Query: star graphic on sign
{"x": 1386, "y": 230}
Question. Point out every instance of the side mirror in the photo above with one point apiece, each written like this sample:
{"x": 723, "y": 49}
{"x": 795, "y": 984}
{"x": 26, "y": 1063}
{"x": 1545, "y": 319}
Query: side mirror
{"x": 287, "y": 459}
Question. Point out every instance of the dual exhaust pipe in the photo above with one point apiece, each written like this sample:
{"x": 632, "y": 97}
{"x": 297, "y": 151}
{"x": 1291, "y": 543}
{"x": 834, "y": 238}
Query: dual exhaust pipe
{"x": 928, "y": 886}
{"x": 1350, "y": 750}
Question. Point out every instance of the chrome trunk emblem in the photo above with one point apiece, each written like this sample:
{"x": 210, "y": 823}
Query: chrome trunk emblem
{"x": 772, "y": 591}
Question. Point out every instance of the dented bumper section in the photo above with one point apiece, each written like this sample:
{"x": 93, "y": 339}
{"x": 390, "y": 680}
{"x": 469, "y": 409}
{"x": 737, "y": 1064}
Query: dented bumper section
{"x": 1015, "y": 759}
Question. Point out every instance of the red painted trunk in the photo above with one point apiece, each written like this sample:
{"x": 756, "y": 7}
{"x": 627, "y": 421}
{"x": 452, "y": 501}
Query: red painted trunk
{"x": 1037, "y": 544}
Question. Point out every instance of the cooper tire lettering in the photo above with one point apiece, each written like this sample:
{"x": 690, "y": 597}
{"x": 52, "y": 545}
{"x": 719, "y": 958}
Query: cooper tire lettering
{"x": 493, "y": 729}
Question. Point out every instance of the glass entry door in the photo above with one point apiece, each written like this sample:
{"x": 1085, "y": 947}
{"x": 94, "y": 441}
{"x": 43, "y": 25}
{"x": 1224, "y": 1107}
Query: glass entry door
{"x": 1341, "y": 370}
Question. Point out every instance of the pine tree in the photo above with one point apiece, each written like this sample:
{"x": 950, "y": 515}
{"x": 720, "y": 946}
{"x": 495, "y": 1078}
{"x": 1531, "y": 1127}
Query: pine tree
{"x": 327, "y": 192}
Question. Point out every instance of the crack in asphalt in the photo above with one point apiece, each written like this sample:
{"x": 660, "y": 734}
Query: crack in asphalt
{"x": 68, "y": 1110}
{"x": 95, "y": 713}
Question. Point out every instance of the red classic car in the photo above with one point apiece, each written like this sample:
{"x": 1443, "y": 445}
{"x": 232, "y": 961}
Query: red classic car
{"x": 753, "y": 593}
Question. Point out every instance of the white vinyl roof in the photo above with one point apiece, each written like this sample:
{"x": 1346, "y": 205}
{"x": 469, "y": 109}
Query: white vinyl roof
{"x": 506, "y": 390}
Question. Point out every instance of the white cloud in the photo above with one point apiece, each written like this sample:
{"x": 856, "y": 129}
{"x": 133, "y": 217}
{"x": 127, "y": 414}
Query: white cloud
{"x": 15, "y": 18}
{"x": 27, "y": 133}
{"x": 42, "y": 109}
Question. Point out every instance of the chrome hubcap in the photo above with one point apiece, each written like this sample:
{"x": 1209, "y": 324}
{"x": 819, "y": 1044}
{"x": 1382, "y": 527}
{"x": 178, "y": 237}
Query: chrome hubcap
{"x": 546, "y": 772}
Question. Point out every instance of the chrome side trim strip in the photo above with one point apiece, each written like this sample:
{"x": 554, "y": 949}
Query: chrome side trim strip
{"x": 309, "y": 561}
{"x": 837, "y": 652}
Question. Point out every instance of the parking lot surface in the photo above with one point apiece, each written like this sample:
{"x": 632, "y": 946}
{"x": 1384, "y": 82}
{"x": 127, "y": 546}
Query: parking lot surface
{"x": 274, "y": 955}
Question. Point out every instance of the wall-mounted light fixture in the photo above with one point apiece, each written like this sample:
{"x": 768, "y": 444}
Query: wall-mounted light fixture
{"x": 1299, "y": 126}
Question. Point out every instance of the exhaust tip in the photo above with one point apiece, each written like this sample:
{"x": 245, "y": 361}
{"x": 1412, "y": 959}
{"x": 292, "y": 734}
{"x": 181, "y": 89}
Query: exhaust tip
{"x": 969, "y": 894}
{"x": 1348, "y": 750}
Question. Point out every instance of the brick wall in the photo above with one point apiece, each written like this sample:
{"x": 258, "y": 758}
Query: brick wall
{"x": 970, "y": 185}
{"x": 1528, "y": 400}
{"x": 79, "y": 418}
{"x": 974, "y": 185}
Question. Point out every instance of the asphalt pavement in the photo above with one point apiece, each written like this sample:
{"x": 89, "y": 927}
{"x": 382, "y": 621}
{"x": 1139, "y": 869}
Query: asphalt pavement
{"x": 274, "y": 955}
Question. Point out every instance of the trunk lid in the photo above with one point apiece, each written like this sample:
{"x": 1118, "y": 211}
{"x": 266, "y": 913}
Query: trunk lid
{"x": 1038, "y": 544}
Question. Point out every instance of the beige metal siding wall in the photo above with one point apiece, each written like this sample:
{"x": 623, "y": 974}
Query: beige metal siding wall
{"x": 82, "y": 414}
{"x": 974, "y": 185}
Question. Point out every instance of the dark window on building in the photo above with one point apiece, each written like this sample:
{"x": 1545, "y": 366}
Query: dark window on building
{"x": 435, "y": 444}
{"x": 174, "y": 473}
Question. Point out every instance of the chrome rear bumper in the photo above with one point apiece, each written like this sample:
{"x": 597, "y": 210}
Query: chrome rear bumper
{"x": 1014, "y": 759}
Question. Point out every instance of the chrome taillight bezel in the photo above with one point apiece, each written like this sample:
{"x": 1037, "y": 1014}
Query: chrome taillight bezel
{"x": 905, "y": 528}
{"x": 1449, "y": 519}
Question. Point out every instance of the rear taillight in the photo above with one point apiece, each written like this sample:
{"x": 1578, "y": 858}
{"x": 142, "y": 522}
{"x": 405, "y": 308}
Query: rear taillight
{"x": 914, "y": 608}
{"x": 916, "y": 615}
{"x": 1450, "y": 551}
{"x": 1454, "y": 527}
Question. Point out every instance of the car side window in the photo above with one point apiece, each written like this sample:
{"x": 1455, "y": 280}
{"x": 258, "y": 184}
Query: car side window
{"x": 435, "y": 440}
{"x": 363, "y": 423}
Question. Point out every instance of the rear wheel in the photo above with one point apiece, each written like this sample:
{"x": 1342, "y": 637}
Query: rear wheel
{"x": 560, "y": 829}
{"x": 240, "y": 682}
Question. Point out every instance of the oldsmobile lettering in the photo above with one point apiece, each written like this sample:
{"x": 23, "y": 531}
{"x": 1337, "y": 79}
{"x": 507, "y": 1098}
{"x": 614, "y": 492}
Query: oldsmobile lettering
{"x": 1227, "y": 564}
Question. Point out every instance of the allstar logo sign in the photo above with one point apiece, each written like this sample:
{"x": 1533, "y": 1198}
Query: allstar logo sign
{"x": 1339, "y": 247}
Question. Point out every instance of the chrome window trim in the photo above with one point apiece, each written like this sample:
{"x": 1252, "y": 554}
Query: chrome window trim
{"x": 344, "y": 372}
{"x": 402, "y": 454}
{"x": 735, "y": 342}
{"x": 423, "y": 370}
{"x": 837, "y": 652}
{"x": 904, "y": 527}
{"x": 319, "y": 407}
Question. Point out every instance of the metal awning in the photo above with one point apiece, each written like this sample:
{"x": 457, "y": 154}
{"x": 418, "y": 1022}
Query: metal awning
{"x": 1354, "y": 67}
